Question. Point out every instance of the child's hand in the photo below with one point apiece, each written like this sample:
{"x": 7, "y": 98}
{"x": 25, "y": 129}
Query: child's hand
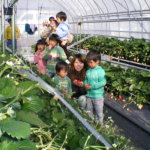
{"x": 64, "y": 42}
{"x": 78, "y": 83}
{"x": 49, "y": 46}
{"x": 87, "y": 86}
{"x": 64, "y": 91}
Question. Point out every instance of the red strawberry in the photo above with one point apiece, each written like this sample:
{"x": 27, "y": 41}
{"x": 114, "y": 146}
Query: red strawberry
{"x": 87, "y": 86}
{"x": 120, "y": 97}
{"x": 80, "y": 83}
{"x": 65, "y": 91}
{"x": 124, "y": 101}
{"x": 135, "y": 60}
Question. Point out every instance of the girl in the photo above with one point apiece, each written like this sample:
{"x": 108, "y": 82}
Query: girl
{"x": 53, "y": 54}
{"x": 38, "y": 56}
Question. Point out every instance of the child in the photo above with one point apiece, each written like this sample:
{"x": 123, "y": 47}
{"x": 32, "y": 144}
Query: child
{"x": 63, "y": 30}
{"x": 38, "y": 56}
{"x": 53, "y": 54}
{"x": 63, "y": 83}
{"x": 94, "y": 84}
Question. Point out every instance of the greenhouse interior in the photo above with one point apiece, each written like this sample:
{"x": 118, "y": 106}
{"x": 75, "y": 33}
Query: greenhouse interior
{"x": 75, "y": 75}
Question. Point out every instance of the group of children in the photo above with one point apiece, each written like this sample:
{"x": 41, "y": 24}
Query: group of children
{"x": 51, "y": 60}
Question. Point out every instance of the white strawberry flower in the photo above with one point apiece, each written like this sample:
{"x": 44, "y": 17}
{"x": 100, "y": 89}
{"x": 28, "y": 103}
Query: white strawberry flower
{"x": 10, "y": 111}
{"x": 8, "y": 76}
{"x": 107, "y": 126}
{"x": 16, "y": 83}
{"x": 3, "y": 55}
{"x": 110, "y": 118}
{"x": 9, "y": 63}
{"x": 2, "y": 116}
{"x": 18, "y": 61}
{"x": 1, "y": 133}
{"x": 114, "y": 145}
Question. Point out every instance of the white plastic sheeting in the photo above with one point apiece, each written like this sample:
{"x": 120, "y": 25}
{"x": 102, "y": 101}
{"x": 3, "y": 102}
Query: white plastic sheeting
{"x": 118, "y": 18}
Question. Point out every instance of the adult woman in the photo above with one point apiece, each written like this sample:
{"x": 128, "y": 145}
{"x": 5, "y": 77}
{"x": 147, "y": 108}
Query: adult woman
{"x": 77, "y": 74}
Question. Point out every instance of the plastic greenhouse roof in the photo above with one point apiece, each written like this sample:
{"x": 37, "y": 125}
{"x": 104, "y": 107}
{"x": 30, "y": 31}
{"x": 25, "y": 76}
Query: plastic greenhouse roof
{"x": 120, "y": 18}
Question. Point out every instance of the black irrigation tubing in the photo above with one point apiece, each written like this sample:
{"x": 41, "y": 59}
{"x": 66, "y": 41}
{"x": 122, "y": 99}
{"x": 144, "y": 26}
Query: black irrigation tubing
{"x": 47, "y": 87}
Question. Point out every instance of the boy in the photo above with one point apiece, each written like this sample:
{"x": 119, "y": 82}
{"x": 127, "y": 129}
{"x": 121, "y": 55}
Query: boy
{"x": 53, "y": 54}
{"x": 63, "y": 30}
{"x": 63, "y": 83}
{"x": 94, "y": 83}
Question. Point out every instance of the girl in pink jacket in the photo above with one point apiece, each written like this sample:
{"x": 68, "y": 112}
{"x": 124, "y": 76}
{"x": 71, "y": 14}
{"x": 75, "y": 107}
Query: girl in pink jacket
{"x": 38, "y": 56}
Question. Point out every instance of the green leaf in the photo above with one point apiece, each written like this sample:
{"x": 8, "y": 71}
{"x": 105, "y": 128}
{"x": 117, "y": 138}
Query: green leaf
{"x": 19, "y": 145}
{"x": 82, "y": 141}
{"x": 8, "y": 146}
{"x": 9, "y": 92}
{"x": 26, "y": 84}
{"x": 109, "y": 74}
{"x": 130, "y": 80}
{"x": 33, "y": 103}
{"x": 8, "y": 88}
{"x": 4, "y": 82}
{"x": 145, "y": 74}
{"x": 17, "y": 129}
{"x": 30, "y": 118}
{"x": 26, "y": 145}
{"x": 58, "y": 116}
{"x": 115, "y": 84}
{"x": 132, "y": 87}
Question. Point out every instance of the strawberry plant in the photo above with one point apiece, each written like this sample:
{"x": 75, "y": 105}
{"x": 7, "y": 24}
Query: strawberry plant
{"x": 137, "y": 50}
{"x": 31, "y": 119}
{"x": 130, "y": 83}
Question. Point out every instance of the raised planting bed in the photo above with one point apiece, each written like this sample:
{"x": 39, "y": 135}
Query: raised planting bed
{"x": 129, "y": 126}
{"x": 130, "y": 86}
{"x": 136, "y": 116}
{"x": 133, "y": 50}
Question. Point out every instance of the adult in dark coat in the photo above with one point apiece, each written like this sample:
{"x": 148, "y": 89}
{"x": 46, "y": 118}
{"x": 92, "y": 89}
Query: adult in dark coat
{"x": 77, "y": 75}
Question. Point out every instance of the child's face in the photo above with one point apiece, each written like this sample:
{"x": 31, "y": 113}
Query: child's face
{"x": 52, "y": 43}
{"x": 78, "y": 65}
{"x": 59, "y": 20}
{"x": 41, "y": 47}
{"x": 92, "y": 64}
{"x": 63, "y": 73}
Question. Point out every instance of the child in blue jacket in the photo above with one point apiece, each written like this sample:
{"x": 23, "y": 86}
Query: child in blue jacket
{"x": 63, "y": 30}
{"x": 94, "y": 83}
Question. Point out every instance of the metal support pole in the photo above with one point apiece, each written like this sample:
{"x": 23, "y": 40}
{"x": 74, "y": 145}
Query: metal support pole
{"x": 13, "y": 29}
{"x": 3, "y": 27}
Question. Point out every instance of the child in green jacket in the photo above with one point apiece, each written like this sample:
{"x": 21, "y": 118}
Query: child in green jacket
{"x": 53, "y": 54}
{"x": 63, "y": 83}
{"x": 94, "y": 83}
